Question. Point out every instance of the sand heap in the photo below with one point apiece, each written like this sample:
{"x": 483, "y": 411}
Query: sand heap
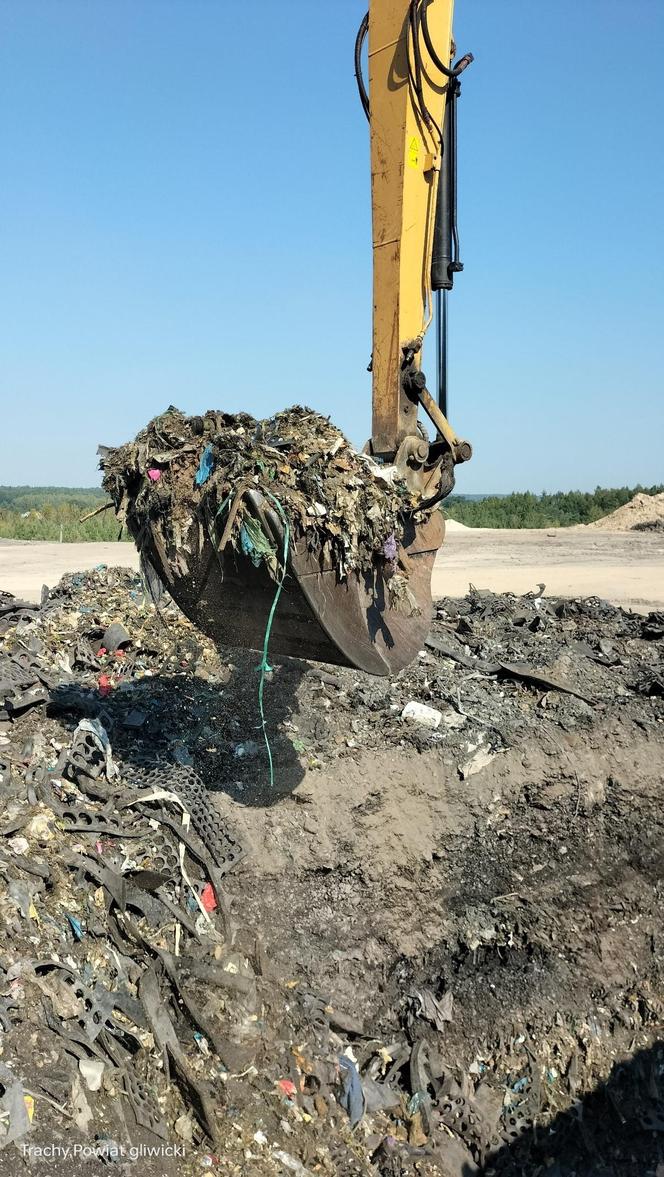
{"x": 643, "y": 513}
{"x": 454, "y": 525}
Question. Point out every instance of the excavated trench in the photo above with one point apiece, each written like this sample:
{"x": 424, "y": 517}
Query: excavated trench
{"x": 524, "y": 899}
{"x": 531, "y": 894}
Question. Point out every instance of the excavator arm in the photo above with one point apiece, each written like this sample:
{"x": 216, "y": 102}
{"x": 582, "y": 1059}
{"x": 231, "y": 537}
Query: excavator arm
{"x": 413, "y": 88}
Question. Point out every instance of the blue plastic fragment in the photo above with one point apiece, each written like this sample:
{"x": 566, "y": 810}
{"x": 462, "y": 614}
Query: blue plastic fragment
{"x": 182, "y": 755}
{"x": 248, "y": 546}
{"x": 351, "y": 1096}
{"x": 205, "y": 466}
{"x": 76, "y": 926}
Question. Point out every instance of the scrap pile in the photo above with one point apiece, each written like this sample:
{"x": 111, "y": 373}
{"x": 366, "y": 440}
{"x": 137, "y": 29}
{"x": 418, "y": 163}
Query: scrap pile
{"x": 111, "y": 893}
{"x": 452, "y": 958}
{"x": 185, "y": 481}
{"x": 133, "y": 1008}
{"x": 493, "y": 666}
{"x": 473, "y": 865}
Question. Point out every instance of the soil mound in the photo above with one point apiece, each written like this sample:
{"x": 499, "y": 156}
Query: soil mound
{"x": 643, "y": 513}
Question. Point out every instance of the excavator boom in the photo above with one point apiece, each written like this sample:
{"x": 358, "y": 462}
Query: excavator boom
{"x": 407, "y": 95}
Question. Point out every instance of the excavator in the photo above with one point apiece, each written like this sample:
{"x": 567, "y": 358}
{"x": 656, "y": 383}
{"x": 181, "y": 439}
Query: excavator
{"x": 410, "y": 101}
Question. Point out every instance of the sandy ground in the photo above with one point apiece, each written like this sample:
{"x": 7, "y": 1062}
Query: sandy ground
{"x": 626, "y": 568}
{"x": 26, "y": 565}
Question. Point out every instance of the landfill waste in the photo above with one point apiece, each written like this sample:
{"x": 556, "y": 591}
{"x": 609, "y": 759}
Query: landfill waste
{"x": 420, "y": 713}
{"x": 481, "y": 758}
{"x": 184, "y": 480}
{"x": 426, "y": 949}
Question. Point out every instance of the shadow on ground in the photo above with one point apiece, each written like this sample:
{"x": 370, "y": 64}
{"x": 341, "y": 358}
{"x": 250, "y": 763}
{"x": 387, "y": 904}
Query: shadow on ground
{"x": 216, "y": 726}
{"x": 617, "y": 1130}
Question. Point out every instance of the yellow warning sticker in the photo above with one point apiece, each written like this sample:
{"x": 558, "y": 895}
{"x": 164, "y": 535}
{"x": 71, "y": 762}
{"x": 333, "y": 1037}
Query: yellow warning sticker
{"x": 414, "y": 152}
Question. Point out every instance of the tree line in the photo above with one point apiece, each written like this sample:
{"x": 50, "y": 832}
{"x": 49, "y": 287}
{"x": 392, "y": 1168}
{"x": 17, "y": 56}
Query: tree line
{"x": 52, "y": 512}
{"x": 524, "y": 509}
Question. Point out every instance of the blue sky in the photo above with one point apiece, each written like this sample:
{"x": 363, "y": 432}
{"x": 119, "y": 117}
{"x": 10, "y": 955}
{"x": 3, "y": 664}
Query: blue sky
{"x": 185, "y": 218}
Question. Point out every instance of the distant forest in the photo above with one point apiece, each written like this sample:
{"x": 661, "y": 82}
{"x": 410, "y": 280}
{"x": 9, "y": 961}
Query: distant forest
{"x": 563, "y": 509}
{"x": 53, "y": 512}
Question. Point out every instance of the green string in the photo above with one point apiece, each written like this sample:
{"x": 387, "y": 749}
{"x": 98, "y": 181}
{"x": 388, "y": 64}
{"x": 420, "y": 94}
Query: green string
{"x": 264, "y": 666}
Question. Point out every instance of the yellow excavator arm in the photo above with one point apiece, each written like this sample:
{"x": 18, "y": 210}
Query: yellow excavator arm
{"x": 413, "y": 86}
{"x": 406, "y": 159}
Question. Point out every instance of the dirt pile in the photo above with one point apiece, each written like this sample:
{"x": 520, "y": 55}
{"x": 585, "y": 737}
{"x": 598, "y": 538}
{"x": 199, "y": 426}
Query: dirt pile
{"x": 643, "y": 513}
{"x": 453, "y": 525}
{"x": 437, "y": 933}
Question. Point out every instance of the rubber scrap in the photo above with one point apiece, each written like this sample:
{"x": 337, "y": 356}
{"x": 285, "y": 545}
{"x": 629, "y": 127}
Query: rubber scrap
{"x": 166, "y": 1038}
{"x": 29, "y": 865}
{"x": 155, "y": 1010}
{"x": 21, "y": 701}
{"x": 452, "y": 649}
{"x": 196, "y": 1016}
{"x": 212, "y": 975}
{"x": 529, "y": 674}
{"x": 112, "y": 882}
{"x": 518, "y": 670}
{"x": 76, "y": 1042}
{"x": 143, "y": 1105}
{"x": 115, "y": 637}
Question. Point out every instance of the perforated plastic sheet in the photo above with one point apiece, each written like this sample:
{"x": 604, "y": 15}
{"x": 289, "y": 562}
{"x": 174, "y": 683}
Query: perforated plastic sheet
{"x": 184, "y": 781}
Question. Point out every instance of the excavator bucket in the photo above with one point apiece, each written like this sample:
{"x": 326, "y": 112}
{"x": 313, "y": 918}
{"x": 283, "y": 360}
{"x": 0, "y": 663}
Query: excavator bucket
{"x": 349, "y": 622}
